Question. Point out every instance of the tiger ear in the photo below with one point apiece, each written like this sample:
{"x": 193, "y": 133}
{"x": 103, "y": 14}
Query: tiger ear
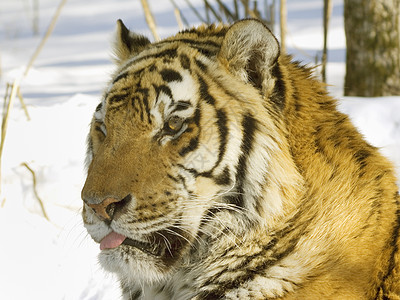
{"x": 127, "y": 43}
{"x": 249, "y": 50}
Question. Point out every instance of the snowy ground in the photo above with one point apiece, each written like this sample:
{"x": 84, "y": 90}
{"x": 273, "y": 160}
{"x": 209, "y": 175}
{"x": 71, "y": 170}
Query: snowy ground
{"x": 57, "y": 260}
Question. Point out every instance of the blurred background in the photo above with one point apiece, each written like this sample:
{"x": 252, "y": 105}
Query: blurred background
{"x": 55, "y": 59}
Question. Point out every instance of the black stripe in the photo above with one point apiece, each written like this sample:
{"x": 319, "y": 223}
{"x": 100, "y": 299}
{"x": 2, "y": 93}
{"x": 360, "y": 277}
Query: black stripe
{"x": 361, "y": 157}
{"x": 197, "y": 116}
{"x": 99, "y": 107}
{"x": 193, "y": 144}
{"x": 253, "y": 271}
{"x": 191, "y": 171}
{"x": 117, "y": 98}
{"x": 185, "y": 61}
{"x": 224, "y": 178}
{"x": 183, "y": 181}
{"x": 206, "y": 51}
{"x": 145, "y": 100}
{"x": 116, "y": 107}
{"x": 120, "y": 76}
{"x": 210, "y": 30}
{"x": 163, "y": 89}
{"x": 278, "y": 95}
{"x": 140, "y": 103}
{"x": 249, "y": 127}
{"x": 201, "y": 66}
{"x": 223, "y": 134}
{"x": 181, "y": 105}
{"x": 203, "y": 90}
{"x": 191, "y": 42}
{"x": 170, "y": 75}
{"x": 171, "y": 53}
{"x": 172, "y": 178}
{"x": 98, "y": 128}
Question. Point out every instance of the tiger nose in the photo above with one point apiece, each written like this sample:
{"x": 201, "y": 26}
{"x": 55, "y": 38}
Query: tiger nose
{"x": 105, "y": 209}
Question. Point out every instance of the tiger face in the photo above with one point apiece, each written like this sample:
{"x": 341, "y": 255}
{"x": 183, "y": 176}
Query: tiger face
{"x": 173, "y": 143}
{"x": 220, "y": 169}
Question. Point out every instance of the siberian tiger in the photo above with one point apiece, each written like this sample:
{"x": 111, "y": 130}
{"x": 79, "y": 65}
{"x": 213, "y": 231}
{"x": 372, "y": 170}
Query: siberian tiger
{"x": 218, "y": 168}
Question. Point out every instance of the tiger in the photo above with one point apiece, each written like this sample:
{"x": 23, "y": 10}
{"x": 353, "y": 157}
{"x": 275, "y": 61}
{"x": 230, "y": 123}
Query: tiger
{"x": 218, "y": 167}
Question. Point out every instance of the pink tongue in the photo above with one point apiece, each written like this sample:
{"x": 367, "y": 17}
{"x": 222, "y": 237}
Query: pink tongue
{"x": 112, "y": 240}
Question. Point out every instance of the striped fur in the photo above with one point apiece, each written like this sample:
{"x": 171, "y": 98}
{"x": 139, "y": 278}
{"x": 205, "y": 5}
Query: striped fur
{"x": 232, "y": 164}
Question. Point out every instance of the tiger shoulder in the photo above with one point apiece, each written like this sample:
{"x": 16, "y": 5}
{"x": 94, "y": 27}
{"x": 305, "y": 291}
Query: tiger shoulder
{"x": 218, "y": 168}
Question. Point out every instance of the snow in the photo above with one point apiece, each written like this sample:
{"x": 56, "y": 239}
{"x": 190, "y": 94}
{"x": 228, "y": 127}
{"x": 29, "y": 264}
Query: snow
{"x": 55, "y": 259}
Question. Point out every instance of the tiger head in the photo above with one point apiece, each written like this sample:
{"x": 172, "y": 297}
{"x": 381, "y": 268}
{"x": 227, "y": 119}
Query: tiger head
{"x": 186, "y": 142}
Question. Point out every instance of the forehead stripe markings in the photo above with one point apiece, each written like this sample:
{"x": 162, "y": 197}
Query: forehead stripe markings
{"x": 143, "y": 105}
{"x": 172, "y": 53}
{"x": 207, "y": 43}
{"x": 162, "y": 89}
{"x": 181, "y": 105}
{"x": 170, "y": 75}
{"x": 117, "y": 98}
{"x": 201, "y": 66}
{"x": 185, "y": 61}
{"x": 204, "y": 91}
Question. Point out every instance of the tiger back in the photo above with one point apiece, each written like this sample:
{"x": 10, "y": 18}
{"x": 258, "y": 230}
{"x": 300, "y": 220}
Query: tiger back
{"x": 218, "y": 168}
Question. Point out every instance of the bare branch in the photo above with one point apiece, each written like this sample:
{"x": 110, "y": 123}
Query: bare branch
{"x": 35, "y": 191}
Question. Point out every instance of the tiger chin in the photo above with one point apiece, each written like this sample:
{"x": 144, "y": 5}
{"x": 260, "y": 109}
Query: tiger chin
{"x": 218, "y": 168}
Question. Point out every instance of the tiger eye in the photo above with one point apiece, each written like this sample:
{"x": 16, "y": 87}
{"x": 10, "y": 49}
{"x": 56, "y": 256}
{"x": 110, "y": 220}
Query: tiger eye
{"x": 175, "y": 123}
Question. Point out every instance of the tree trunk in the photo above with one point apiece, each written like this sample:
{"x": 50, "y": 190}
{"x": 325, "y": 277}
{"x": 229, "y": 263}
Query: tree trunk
{"x": 373, "y": 47}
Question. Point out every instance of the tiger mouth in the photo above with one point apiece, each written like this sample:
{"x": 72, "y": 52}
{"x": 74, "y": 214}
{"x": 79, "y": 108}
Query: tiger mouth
{"x": 166, "y": 245}
{"x": 149, "y": 248}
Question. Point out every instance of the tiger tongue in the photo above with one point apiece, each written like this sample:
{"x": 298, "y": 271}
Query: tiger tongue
{"x": 112, "y": 240}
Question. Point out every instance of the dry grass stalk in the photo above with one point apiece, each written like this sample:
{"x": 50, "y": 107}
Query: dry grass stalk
{"x": 8, "y": 86}
{"x": 178, "y": 18}
{"x": 35, "y": 191}
{"x": 181, "y": 16}
{"x": 210, "y": 8}
{"x": 150, "y": 19}
{"x": 283, "y": 16}
{"x": 6, "y": 115}
{"x": 21, "y": 99}
{"x": 228, "y": 14}
{"x": 195, "y": 11}
{"x": 45, "y": 37}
